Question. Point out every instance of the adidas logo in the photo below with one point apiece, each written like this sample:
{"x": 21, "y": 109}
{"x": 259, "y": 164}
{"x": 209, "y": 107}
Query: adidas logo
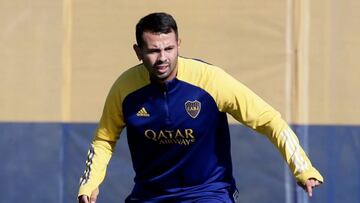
{"x": 142, "y": 113}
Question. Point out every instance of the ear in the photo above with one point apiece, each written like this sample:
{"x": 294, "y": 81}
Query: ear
{"x": 179, "y": 42}
{"x": 138, "y": 51}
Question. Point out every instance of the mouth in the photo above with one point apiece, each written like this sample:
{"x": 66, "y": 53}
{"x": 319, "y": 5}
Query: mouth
{"x": 162, "y": 68}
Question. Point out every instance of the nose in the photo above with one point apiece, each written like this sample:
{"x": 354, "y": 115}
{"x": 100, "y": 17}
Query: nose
{"x": 162, "y": 56}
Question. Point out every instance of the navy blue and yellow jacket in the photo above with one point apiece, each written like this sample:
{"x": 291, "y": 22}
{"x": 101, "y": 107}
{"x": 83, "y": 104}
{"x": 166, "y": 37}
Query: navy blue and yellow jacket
{"x": 178, "y": 132}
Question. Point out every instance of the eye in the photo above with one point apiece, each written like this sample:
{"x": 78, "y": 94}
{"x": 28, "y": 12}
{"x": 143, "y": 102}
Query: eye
{"x": 169, "y": 48}
{"x": 152, "y": 51}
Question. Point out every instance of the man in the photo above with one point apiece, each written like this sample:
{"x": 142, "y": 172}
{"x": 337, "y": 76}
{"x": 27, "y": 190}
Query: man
{"x": 174, "y": 110}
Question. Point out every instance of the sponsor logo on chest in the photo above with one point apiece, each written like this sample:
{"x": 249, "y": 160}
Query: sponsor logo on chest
{"x": 178, "y": 136}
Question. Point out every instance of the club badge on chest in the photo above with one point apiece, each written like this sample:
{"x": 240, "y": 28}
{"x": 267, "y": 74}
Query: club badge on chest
{"x": 193, "y": 108}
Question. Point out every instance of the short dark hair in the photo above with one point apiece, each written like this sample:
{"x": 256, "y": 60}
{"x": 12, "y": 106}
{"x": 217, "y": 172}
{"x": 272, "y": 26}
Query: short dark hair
{"x": 155, "y": 23}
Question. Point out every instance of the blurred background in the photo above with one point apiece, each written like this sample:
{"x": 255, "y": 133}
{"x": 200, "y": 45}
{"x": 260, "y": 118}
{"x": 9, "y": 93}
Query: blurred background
{"x": 58, "y": 60}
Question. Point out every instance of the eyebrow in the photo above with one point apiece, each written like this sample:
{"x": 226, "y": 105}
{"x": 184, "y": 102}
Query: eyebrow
{"x": 158, "y": 49}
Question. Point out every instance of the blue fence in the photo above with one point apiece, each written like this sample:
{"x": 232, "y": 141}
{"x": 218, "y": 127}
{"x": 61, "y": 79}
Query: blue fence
{"x": 42, "y": 162}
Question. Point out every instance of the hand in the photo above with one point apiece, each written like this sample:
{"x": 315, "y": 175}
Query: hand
{"x": 309, "y": 185}
{"x": 92, "y": 199}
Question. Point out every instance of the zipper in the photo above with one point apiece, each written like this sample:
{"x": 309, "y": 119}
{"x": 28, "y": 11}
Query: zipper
{"x": 166, "y": 106}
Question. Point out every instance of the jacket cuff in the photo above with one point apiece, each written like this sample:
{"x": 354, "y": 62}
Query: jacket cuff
{"x": 310, "y": 173}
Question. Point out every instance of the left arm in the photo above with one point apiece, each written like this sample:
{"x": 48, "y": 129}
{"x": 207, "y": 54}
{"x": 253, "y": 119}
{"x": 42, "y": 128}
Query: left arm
{"x": 248, "y": 108}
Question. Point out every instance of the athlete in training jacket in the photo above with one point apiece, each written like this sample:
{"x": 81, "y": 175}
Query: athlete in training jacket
{"x": 175, "y": 110}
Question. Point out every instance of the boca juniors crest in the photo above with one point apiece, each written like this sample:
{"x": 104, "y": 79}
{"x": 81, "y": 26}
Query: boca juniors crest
{"x": 193, "y": 108}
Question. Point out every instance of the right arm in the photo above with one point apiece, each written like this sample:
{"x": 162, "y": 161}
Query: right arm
{"x": 102, "y": 146}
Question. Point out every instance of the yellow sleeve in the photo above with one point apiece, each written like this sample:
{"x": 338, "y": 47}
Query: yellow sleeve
{"x": 103, "y": 144}
{"x": 248, "y": 108}
{"x": 110, "y": 126}
{"x": 98, "y": 158}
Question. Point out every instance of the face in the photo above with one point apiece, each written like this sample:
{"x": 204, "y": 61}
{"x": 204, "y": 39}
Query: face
{"x": 159, "y": 55}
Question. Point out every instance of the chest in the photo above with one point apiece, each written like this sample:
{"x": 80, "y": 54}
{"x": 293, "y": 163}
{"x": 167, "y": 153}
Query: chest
{"x": 176, "y": 111}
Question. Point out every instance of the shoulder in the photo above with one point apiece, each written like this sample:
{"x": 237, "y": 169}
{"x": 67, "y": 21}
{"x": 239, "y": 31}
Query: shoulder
{"x": 195, "y": 64}
{"x": 129, "y": 81}
{"x": 133, "y": 75}
{"x": 198, "y": 72}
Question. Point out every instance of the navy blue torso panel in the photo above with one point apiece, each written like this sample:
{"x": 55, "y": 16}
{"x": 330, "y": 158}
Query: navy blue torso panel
{"x": 178, "y": 139}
